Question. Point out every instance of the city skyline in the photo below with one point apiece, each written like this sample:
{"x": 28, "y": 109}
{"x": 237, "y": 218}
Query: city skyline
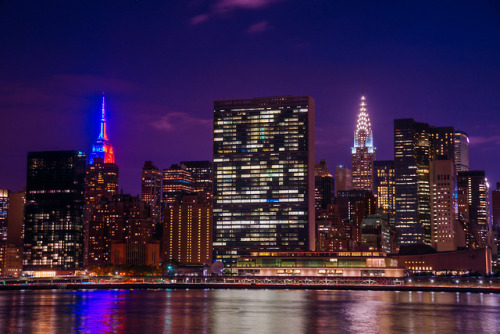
{"x": 159, "y": 89}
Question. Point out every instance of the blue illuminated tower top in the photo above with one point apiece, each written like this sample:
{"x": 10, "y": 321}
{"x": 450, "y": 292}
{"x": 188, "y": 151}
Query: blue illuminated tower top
{"x": 102, "y": 147}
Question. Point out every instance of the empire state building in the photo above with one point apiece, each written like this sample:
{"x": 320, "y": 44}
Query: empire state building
{"x": 363, "y": 152}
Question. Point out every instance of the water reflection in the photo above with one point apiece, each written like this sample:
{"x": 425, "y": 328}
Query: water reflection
{"x": 247, "y": 311}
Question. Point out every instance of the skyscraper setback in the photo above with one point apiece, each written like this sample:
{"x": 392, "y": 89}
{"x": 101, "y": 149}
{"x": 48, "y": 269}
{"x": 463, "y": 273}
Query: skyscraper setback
{"x": 363, "y": 152}
{"x": 263, "y": 175}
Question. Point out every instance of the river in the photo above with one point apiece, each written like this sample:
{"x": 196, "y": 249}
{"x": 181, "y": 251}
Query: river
{"x": 247, "y": 311}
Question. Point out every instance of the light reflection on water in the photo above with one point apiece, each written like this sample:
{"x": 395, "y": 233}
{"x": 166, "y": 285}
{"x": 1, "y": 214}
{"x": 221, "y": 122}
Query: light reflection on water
{"x": 247, "y": 311}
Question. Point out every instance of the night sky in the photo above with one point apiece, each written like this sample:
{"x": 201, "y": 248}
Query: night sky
{"x": 162, "y": 63}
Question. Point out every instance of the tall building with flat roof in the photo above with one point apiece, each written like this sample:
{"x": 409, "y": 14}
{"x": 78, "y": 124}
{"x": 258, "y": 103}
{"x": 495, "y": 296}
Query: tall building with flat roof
{"x": 151, "y": 190}
{"x": 444, "y": 209}
{"x": 4, "y": 211}
{"x": 177, "y": 182}
{"x": 384, "y": 186}
{"x": 474, "y": 207}
{"x": 363, "y": 151}
{"x": 53, "y": 237}
{"x": 324, "y": 186}
{"x": 203, "y": 175}
{"x": 263, "y": 176}
{"x": 343, "y": 178}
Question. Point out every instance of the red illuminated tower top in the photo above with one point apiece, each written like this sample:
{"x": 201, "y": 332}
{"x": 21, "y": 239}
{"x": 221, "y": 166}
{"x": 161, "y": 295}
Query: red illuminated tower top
{"x": 102, "y": 148}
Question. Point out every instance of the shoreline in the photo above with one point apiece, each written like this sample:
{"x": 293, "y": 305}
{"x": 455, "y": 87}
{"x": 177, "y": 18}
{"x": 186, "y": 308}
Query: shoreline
{"x": 229, "y": 286}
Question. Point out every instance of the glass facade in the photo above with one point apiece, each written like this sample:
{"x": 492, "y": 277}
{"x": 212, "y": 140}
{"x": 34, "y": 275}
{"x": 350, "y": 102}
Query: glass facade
{"x": 54, "y": 210}
{"x": 263, "y": 175}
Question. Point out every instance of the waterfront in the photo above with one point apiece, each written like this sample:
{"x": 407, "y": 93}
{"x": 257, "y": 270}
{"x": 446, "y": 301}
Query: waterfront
{"x": 247, "y": 311}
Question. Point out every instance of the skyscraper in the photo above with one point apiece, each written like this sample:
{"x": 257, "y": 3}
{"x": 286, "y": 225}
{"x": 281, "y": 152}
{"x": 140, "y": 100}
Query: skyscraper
{"x": 461, "y": 151}
{"x": 415, "y": 146}
{"x": 444, "y": 210}
{"x": 263, "y": 175}
{"x": 412, "y": 153}
{"x": 102, "y": 148}
{"x": 384, "y": 186}
{"x": 343, "y": 178}
{"x": 4, "y": 210}
{"x": 473, "y": 206}
{"x": 151, "y": 190}
{"x": 101, "y": 182}
{"x": 324, "y": 186}
{"x": 203, "y": 174}
{"x": 54, "y": 213}
{"x": 177, "y": 182}
{"x": 188, "y": 231}
{"x": 363, "y": 152}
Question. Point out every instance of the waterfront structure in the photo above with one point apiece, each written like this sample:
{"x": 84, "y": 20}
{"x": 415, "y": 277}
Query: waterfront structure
{"x": 363, "y": 151}
{"x": 474, "y": 208}
{"x": 53, "y": 237}
{"x": 188, "y": 228}
{"x": 177, "y": 182}
{"x": 15, "y": 219}
{"x": 323, "y": 264}
{"x": 445, "y": 233}
{"x": 343, "y": 178}
{"x": 263, "y": 176}
{"x": 384, "y": 186}
{"x": 151, "y": 190}
{"x": 462, "y": 262}
{"x": 102, "y": 148}
{"x": 461, "y": 151}
{"x": 203, "y": 175}
{"x": 377, "y": 235}
{"x": 415, "y": 146}
{"x": 324, "y": 191}
{"x": 4, "y": 210}
{"x": 354, "y": 205}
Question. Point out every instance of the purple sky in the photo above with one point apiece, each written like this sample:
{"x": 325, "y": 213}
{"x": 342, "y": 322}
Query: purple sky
{"x": 162, "y": 63}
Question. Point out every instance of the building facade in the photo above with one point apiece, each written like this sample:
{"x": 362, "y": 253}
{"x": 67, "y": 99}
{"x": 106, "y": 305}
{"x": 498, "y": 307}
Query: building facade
{"x": 343, "y": 178}
{"x": 203, "y": 175}
{"x": 384, "y": 186}
{"x": 188, "y": 229}
{"x": 444, "y": 206}
{"x": 263, "y": 175}
{"x": 363, "y": 152}
{"x": 54, "y": 213}
{"x": 474, "y": 208}
{"x": 177, "y": 182}
{"x": 461, "y": 151}
{"x": 324, "y": 186}
{"x": 151, "y": 190}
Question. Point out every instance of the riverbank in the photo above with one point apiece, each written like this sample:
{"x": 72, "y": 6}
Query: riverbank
{"x": 164, "y": 286}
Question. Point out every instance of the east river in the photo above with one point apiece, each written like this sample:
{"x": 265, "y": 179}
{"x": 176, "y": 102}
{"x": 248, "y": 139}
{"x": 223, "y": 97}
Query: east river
{"x": 247, "y": 311}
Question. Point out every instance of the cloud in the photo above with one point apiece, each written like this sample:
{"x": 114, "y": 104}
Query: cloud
{"x": 481, "y": 140}
{"x": 230, "y": 5}
{"x": 258, "y": 28}
{"x": 221, "y": 7}
{"x": 199, "y": 19}
{"x": 178, "y": 120}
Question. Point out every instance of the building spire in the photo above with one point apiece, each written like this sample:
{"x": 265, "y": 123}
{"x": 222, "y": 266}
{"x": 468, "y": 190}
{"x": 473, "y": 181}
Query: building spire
{"x": 103, "y": 134}
{"x": 363, "y": 136}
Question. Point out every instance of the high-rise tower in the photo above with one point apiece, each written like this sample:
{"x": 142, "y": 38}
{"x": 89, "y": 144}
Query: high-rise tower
{"x": 102, "y": 147}
{"x": 263, "y": 176}
{"x": 363, "y": 152}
